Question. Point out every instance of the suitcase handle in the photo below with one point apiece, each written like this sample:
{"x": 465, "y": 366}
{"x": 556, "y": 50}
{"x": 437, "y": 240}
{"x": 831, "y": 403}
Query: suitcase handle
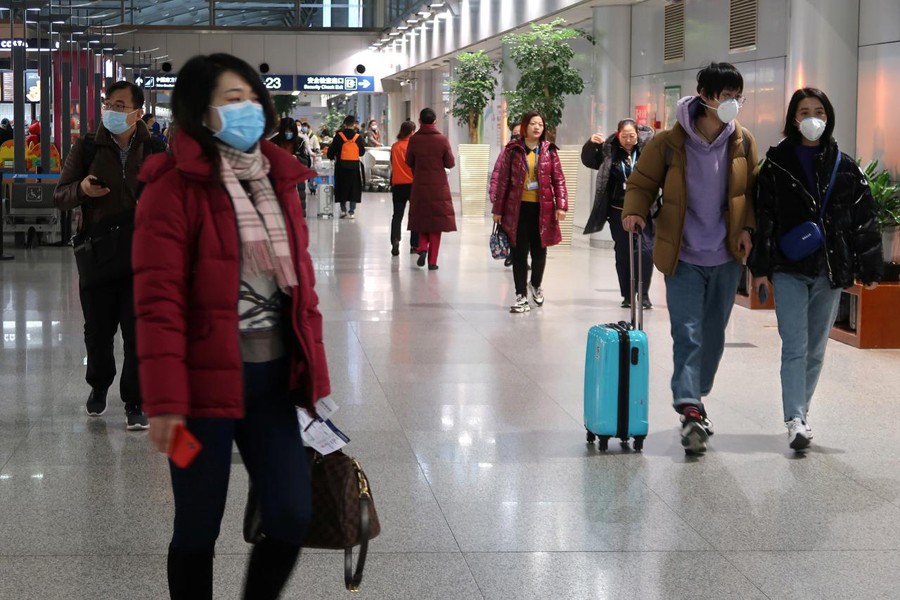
{"x": 637, "y": 280}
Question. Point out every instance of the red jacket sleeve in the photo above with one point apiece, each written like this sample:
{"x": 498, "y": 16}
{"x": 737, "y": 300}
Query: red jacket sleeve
{"x": 160, "y": 256}
{"x": 558, "y": 180}
{"x": 501, "y": 189}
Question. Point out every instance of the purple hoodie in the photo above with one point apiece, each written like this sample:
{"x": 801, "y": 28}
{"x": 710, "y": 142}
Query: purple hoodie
{"x": 704, "y": 242}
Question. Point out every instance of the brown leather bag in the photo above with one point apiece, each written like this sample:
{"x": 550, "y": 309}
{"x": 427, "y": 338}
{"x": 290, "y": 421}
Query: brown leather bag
{"x": 343, "y": 511}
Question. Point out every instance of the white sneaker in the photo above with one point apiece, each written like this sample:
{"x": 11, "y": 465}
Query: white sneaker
{"x": 705, "y": 423}
{"x": 798, "y": 435}
{"x": 520, "y": 305}
{"x": 808, "y": 428}
{"x": 537, "y": 295}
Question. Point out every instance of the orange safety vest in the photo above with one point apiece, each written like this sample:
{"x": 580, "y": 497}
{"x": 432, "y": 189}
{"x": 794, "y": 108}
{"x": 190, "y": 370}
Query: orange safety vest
{"x": 349, "y": 150}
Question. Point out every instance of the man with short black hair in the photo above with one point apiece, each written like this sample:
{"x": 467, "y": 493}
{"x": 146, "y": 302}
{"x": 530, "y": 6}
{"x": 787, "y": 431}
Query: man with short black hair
{"x": 346, "y": 149}
{"x": 100, "y": 178}
{"x": 706, "y": 166}
{"x": 6, "y": 131}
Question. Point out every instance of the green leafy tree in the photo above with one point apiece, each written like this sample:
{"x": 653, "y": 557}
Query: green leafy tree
{"x": 472, "y": 90}
{"x": 334, "y": 119}
{"x": 284, "y": 104}
{"x": 886, "y": 194}
{"x": 543, "y": 56}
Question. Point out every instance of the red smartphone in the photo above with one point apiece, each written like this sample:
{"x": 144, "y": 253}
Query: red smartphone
{"x": 184, "y": 447}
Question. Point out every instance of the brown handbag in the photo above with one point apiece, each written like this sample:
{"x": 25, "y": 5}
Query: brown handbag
{"x": 343, "y": 511}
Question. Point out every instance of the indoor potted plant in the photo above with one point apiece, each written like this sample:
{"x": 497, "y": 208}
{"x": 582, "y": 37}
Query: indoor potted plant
{"x": 543, "y": 56}
{"x": 887, "y": 202}
{"x": 471, "y": 90}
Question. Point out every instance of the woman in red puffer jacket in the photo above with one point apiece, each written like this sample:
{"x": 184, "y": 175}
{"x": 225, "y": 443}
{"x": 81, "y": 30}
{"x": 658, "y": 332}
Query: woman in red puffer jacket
{"x": 529, "y": 200}
{"x": 228, "y": 327}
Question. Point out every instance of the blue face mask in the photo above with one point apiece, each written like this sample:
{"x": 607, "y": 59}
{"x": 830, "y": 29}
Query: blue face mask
{"x": 243, "y": 123}
{"x": 304, "y": 129}
{"x": 115, "y": 122}
{"x": 289, "y": 135}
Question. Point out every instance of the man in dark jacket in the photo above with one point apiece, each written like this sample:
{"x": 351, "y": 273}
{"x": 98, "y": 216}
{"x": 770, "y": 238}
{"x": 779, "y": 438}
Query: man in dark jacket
{"x": 100, "y": 178}
{"x": 6, "y": 131}
{"x": 347, "y": 176}
{"x": 430, "y": 204}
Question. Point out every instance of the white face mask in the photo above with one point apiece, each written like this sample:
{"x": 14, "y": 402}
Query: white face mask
{"x": 812, "y": 128}
{"x": 728, "y": 110}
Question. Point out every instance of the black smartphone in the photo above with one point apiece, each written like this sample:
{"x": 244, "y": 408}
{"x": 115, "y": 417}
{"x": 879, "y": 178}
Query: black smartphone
{"x": 98, "y": 182}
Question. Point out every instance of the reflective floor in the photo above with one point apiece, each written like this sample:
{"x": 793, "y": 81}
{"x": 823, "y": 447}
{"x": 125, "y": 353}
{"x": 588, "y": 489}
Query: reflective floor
{"x": 468, "y": 422}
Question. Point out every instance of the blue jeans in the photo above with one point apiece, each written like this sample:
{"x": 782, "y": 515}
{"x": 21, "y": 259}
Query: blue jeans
{"x": 806, "y": 308}
{"x": 268, "y": 438}
{"x": 700, "y": 300}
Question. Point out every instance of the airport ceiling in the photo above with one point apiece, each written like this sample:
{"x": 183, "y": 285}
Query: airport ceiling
{"x": 180, "y": 13}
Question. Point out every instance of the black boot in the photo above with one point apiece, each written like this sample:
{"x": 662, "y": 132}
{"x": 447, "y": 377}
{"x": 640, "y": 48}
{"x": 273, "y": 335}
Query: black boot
{"x": 190, "y": 574}
{"x": 271, "y": 564}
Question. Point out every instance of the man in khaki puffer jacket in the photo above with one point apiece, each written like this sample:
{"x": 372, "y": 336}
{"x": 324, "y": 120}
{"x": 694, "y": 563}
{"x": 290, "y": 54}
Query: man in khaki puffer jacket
{"x": 706, "y": 167}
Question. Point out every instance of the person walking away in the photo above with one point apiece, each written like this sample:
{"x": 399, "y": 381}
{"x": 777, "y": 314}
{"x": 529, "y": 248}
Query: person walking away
{"x": 530, "y": 200}
{"x": 289, "y": 139}
{"x": 706, "y": 166}
{"x": 401, "y": 187}
{"x": 100, "y": 177}
{"x": 807, "y": 179}
{"x": 373, "y": 136}
{"x": 228, "y": 321}
{"x": 614, "y": 159}
{"x": 346, "y": 148}
{"x": 431, "y": 205}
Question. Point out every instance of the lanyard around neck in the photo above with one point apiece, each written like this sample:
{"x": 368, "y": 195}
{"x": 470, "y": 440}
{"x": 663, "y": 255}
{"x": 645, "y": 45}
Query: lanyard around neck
{"x": 634, "y": 157}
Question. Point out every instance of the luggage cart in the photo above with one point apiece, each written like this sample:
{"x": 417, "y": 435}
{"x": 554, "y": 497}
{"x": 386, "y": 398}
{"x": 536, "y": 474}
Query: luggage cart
{"x": 325, "y": 192}
{"x": 377, "y": 169}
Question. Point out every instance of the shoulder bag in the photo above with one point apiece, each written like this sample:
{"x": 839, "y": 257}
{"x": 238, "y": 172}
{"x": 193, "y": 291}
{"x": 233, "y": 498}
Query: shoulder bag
{"x": 807, "y": 237}
{"x": 343, "y": 511}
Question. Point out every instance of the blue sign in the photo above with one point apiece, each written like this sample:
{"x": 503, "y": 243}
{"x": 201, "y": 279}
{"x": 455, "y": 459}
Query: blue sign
{"x": 278, "y": 83}
{"x": 335, "y": 83}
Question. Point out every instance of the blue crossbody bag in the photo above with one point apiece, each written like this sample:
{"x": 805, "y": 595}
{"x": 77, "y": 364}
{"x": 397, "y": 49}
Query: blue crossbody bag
{"x": 807, "y": 237}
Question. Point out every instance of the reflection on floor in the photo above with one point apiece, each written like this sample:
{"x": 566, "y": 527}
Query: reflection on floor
{"x": 468, "y": 421}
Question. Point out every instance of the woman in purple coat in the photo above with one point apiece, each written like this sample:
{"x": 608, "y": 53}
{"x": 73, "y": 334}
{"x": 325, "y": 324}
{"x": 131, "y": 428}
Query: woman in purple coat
{"x": 430, "y": 204}
{"x": 530, "y": 199}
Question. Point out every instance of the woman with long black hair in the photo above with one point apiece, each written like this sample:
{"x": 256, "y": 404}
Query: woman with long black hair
{"x": 229, "y": 333}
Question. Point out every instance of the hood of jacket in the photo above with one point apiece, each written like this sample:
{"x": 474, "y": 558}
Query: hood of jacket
{"x": 686, "y": 113}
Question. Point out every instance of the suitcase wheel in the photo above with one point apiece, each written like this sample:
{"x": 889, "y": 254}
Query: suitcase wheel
{"x": 603, "y": 443}
{"x": 624, "y": 443}
{"x": 638, "y": 444}
{"x": 591, "y": 437}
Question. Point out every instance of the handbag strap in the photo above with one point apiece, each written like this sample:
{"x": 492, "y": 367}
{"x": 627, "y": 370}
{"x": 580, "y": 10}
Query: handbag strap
{"x": 837, "y": 163}
{"x": 353, "y": 579}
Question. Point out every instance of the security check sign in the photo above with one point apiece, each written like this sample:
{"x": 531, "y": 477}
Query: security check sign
{"x": 335, "y": 83}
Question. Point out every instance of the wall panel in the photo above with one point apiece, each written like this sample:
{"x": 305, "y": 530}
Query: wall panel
{"x": 876, "y": 122}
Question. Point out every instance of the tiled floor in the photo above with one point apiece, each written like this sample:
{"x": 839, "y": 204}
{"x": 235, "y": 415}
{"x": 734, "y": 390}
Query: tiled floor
{"x": 468, "y": 421}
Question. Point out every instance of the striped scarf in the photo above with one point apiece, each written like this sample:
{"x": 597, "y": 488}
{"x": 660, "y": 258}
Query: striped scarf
{"x": 261, "y": 225}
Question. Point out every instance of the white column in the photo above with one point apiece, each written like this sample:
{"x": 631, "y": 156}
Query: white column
{"x": 611, "y": 91}
{"x": 823, "y": 52}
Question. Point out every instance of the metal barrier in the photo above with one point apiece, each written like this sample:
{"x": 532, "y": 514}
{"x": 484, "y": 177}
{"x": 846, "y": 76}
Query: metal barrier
{"x": 28, "y": 208}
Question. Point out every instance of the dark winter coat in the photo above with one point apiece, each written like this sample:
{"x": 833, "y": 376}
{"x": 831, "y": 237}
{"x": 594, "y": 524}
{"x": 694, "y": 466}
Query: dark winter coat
{"x": 107, "y": 166}
{"x": 604, "y": 158}
{"x": 187, "y": 261}
{"x": 852, "y": 247}
{"x": 507, "y": 190}
{"x": 430, "y": 202}
{"x": 334, "y": 150}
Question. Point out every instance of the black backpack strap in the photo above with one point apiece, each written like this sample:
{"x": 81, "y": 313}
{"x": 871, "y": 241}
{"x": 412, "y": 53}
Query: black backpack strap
{"x": 88, "y": 152}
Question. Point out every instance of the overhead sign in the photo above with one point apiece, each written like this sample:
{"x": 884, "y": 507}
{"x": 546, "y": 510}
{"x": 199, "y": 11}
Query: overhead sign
{"x": 8, "y": 44}
{"x": 156, "y": 81}
{"x": 335, "y": 83}
{"x": 278, "y": 83}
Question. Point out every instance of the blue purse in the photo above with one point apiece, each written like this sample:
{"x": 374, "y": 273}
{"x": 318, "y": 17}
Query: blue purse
{"x": 807, "y": 237}
{"x": 499, "y": 243}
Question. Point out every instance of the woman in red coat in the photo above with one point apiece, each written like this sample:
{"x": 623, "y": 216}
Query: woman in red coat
{"x": 430, "y": 206}
{"x": 229, "y": 333}
{"x": 529, "y": 200}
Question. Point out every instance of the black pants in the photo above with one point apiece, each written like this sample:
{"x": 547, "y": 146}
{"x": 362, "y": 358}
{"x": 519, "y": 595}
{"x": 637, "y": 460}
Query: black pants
{"x": 106, "y": 309}
{"x": 400, "y": 195}
{"x": 623, "y": 254}
{"x": 347, "y": 186}
{"x": 528, "y": 239}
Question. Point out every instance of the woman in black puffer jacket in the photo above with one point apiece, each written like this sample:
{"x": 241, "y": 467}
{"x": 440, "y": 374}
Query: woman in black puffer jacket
{"x": 793, "y": 184}
{"x": 614, "y": 159}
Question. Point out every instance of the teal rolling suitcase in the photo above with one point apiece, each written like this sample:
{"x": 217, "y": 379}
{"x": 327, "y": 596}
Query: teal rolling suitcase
{"x": 617, "y": 373}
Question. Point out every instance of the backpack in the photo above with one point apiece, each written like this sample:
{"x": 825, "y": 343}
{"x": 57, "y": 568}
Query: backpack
{"x": 349, "y": 149}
